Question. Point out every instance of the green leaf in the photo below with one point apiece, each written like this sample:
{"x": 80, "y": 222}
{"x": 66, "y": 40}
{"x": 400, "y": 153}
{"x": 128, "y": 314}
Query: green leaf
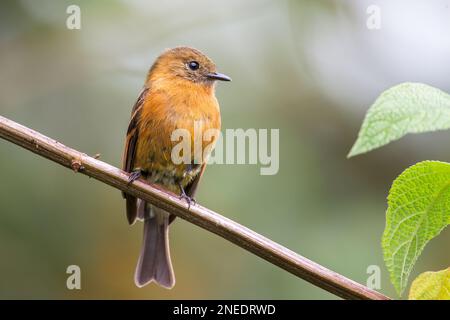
{"x": 431, "y": 286}
{"x": 418, "y": 209}
{"x": 405, "y": 108}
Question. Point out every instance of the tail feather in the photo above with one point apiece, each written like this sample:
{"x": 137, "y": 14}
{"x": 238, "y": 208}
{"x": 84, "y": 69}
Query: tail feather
{"x": 142, "y": 207}
{"x": 154, "y": 262}
{"x": 131, "y": 208}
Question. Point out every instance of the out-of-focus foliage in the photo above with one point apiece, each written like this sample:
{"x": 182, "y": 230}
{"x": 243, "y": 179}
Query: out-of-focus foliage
{"x": 431, "y": 286}
{"x": 308, "y": 68}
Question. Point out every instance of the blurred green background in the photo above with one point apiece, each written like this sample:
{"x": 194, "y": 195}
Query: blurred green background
{"x": 309, "y": 68}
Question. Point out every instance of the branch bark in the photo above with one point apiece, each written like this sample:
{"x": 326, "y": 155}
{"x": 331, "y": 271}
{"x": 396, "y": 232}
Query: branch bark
{"x": 196, "y": 214}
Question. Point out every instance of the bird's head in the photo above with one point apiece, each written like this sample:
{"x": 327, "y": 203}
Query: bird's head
{"x": 187, "y": 64}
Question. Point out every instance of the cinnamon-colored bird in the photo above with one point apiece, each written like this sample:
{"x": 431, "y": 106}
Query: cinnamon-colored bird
{"x": 178, "y": 92}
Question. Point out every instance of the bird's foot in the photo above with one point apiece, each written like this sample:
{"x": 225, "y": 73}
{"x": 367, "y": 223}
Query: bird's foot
{"x": 136, "y": 174}
{"x": 189, "y": 200}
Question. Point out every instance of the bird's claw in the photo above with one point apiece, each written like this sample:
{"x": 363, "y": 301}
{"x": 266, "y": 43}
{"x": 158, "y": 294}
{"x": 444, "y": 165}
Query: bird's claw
{"x": 188, "y": 199}
{"x": 134, "y": 176}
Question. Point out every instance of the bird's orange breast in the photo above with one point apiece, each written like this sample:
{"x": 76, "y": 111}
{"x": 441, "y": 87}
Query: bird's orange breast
{"x": 169, "y": 106}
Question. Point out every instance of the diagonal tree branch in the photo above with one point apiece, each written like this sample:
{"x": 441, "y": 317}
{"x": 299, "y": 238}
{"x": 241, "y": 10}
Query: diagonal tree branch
{"x": 202, "y": 217}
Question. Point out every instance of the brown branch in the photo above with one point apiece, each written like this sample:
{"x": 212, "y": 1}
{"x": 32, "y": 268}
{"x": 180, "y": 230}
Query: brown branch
{"x": 202, "y": 217}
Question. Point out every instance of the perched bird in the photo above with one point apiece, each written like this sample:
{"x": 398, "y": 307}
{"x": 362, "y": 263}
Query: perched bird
{"x": 178, "y": 92}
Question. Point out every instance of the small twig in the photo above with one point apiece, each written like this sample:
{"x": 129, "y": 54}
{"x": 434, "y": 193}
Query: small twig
{"x": 202, "y": 217}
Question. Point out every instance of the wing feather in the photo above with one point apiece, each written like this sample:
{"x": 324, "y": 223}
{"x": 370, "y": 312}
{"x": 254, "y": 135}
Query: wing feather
{"x": 130, "y": 152}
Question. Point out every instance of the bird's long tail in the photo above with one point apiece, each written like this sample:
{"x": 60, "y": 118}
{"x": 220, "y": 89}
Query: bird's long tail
{"x": 154, "y": 262}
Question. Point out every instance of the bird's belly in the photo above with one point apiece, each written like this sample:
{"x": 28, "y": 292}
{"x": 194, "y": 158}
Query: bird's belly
{"x": 172, "y": 176}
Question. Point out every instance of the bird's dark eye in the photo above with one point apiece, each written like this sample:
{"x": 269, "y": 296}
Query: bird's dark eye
{"x": 193, "y": 65}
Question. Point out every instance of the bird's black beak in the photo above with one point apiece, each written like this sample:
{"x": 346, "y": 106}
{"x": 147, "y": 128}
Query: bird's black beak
{"x": 218, "y": 76}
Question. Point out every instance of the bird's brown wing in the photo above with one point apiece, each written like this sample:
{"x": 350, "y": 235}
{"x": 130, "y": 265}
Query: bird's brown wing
{"x": 130, "y": 152}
